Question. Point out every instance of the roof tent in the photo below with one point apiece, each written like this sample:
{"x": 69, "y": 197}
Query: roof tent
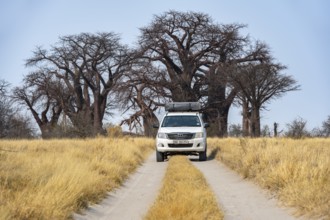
{"x": 182, "y": 106}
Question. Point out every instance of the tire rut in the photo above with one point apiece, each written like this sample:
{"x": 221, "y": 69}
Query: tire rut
{"x": 238, "y": 198}
{"x": 133, "y": 199}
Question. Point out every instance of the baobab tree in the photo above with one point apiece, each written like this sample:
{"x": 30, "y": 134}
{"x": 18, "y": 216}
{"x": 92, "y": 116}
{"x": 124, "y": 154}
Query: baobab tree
{"x": 198, "y": 56}
{"x": 88, "y": 66}
{"x": 139, "y": 93}
{"x": 40, "y": 93}
{"x": 258, "y": 85}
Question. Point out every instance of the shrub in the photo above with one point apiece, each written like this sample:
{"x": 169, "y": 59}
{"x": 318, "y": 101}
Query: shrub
{"x": 114, "y": 131}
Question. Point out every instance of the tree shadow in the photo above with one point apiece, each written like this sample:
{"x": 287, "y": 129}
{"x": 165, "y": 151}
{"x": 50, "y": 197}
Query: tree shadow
{"x": 213, "y": 154}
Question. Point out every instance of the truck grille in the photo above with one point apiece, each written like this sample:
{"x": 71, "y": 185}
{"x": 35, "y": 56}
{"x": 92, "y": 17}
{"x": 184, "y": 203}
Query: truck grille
{"x": 180, "y": 145}
{"x": 180, "y": 136}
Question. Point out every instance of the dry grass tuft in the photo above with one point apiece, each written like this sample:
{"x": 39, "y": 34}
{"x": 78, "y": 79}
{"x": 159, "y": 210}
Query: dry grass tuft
{"x": 185, "y": 194}
{"x": 298, "y": 171}
{"x": 51, "y": 179}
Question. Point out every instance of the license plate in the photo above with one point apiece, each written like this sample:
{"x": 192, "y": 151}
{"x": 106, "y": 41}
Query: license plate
{"x": 181, "y": 142}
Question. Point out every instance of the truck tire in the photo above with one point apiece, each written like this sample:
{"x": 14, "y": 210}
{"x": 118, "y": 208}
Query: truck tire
{"x": 159, "y": 156}
{"x": 202, "y": 156}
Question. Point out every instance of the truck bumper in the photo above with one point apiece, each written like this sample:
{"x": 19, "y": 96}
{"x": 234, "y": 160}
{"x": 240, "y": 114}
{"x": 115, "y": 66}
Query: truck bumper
{"x": 191, "y": 145}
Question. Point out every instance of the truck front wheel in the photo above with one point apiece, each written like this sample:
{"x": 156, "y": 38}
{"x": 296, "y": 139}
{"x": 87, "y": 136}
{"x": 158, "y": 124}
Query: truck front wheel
{"x": 202, "y": 156}
{"x": 159, "y": 156}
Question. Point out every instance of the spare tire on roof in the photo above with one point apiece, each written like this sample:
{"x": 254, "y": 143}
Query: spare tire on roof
{"x": 182, "y": 106}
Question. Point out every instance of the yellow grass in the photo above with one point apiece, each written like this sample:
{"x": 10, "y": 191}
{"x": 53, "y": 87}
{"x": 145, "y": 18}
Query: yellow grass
{"x": 184, "y": 195}
{"x": 50, "y": 179}
{"x": 298, "y": 171}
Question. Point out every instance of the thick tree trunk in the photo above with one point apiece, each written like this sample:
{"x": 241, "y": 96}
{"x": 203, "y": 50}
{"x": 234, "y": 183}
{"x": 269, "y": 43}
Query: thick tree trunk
{"x": 219, "y": 103}
{"x": 97, "y": 123}
{"x": 218, "y": 119}
{"x": 46, "y": 126}
{"x": 223, "y": 123}
{"x": 148, "y": 122}
{"x": 47, "y": 131}
{"x": 183, "y": 93}
{"x": 246, "y": 119}
{"x": 255, "y": 121}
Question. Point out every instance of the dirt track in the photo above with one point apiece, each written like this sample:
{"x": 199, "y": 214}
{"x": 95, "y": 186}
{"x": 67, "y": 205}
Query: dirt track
{"x": 238, "y": 198}
{"x": 132, "y": 200}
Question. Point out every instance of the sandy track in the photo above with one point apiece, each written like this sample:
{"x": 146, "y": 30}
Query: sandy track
{"x": 238, "y": 198}
{"x": 133, "y": 199}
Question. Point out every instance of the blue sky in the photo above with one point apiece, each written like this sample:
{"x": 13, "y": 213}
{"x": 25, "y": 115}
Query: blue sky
{"x": 297, "y": 31}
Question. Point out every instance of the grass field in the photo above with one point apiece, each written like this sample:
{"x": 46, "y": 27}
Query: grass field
{"x": 297, "y": 171}
{"x": 184, "y": 194}
{"x": 50, "y": 179}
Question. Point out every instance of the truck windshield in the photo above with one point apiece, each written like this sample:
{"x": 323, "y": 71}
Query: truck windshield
{"x": 181, "y": 121}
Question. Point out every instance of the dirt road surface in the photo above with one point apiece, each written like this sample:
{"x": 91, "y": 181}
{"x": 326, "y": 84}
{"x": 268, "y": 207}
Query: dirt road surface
{"x": 238, "y": 198}
{"x": 133, "y": 199}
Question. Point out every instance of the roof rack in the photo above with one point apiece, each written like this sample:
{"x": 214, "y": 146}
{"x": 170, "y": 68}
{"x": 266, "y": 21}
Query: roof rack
{"x": 182, "y": 106}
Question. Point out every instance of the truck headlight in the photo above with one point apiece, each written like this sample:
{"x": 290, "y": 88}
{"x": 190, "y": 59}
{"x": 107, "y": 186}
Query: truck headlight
{"x": 162, "y": 135}
{"x": 199, "y": 135}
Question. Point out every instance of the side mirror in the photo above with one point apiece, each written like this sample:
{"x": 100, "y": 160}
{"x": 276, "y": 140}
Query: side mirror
{"x": 155, "y": 126}
{"x": 206, "y": 125}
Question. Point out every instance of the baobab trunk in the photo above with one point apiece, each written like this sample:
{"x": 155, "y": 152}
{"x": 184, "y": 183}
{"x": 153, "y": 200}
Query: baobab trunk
{"x": 255, "y": 122}
{"x": 148, "y": 122}
{"x": 246, "y": 119}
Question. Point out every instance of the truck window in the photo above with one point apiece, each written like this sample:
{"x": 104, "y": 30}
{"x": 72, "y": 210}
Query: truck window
{"x": 181, "y": 121}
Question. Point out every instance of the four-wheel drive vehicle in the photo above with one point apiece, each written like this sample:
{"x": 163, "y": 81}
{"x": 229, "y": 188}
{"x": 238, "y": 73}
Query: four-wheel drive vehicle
{"x": 181, "y": 131}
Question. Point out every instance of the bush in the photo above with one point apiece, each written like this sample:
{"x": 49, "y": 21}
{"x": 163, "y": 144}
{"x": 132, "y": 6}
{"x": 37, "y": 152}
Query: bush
{"x": 297, "y": 129}
{"x": 114, "y": 131}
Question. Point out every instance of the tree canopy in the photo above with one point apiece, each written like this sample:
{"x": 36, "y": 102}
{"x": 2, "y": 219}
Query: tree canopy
{"x": 180, "y": 56}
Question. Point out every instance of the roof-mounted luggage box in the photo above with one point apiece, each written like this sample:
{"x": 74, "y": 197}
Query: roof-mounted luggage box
{"x": 182, "y": 106}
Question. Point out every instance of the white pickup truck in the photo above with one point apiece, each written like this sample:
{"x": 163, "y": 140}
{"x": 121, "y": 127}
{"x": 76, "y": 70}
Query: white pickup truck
{"x": 181, "y": 131}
